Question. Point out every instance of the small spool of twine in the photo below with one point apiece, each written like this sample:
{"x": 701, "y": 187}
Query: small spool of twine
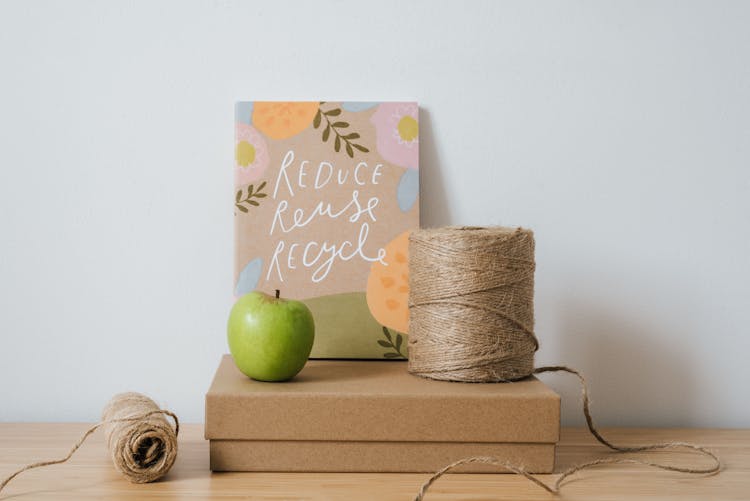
{"x": 142, "y": 449}
{"x": 471, "y": 303}
{"x": 141, "y": 441}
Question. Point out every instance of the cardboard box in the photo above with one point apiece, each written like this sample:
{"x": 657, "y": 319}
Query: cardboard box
{"x": 378, "y": 457}
{"x": 373, "y": 416}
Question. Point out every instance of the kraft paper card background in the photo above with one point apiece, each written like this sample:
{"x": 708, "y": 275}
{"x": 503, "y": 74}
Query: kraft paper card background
{"x": 325, "y": 194}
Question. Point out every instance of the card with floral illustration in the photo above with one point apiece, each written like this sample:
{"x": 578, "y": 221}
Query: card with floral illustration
{"x": 325, "y": 196}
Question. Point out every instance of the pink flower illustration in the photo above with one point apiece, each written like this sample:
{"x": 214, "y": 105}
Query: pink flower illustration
{"x": 397, "y": 131}
{"x": 250, "y": 155}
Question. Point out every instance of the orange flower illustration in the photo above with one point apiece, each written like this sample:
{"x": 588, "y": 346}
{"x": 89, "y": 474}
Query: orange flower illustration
{"x": 281, "y": 120}
{"x": 388, "y": 286}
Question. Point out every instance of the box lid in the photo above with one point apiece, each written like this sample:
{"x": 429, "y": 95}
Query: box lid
{"x": 377, "y": 401}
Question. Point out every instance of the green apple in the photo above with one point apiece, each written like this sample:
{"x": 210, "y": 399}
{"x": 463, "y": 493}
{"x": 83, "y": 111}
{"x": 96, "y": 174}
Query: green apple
{"x": 270, "y": 338}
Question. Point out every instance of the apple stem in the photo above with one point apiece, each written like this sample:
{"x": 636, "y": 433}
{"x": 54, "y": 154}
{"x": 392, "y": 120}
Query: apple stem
{"x": 278, "y": 293}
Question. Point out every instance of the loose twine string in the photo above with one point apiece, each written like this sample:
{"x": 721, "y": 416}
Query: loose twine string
{"x": 141, "y": 441}
{"x": 471, "y": 319}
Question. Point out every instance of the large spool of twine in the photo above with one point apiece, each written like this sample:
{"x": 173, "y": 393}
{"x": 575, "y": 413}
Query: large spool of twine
{"x": 471, "y": 303}
{"x": 471, "y": 319}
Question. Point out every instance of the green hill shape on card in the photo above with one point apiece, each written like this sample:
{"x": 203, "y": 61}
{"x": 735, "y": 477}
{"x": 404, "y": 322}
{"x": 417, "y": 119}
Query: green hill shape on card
{"x": 345, "y": 328}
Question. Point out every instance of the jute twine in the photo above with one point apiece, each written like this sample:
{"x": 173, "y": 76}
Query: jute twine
{"x": 141, "y": 441}
{"x": 471, "y": 319}
{"x": 143, "y": 444}
{"x": 471, "y": 304}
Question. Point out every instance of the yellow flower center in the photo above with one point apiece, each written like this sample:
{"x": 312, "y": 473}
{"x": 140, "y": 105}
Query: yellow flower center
{"x": 408, "y": 128}
{"x": 245, "y": 153}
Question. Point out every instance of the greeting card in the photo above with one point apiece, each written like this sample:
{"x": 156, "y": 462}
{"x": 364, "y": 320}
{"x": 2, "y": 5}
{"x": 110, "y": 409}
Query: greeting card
{"x": 325, "y": 196}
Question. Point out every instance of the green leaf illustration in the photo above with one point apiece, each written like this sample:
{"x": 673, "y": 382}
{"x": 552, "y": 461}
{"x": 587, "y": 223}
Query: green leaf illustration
{"x": 387, "y": 334}
{"x": 396, "y": 353}
{"x": 241, "y": 201}
{"x": 346, "y": 139}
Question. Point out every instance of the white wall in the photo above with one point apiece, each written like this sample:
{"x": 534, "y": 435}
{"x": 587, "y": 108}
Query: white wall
{"x": 618, "y": 131}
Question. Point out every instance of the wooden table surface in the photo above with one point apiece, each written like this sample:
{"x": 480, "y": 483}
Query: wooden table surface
{"x": 90, "y": 474}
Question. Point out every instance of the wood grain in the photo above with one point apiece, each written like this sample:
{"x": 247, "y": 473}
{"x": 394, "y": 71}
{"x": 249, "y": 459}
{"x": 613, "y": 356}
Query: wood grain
{"x": 90, "y": 474}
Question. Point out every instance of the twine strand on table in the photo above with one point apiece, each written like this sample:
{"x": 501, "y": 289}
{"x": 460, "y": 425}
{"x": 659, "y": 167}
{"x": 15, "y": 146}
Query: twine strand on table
{"x": 554, "y": 488}
{"x": 141, "y": 441}
{"x": 471, "y": 319}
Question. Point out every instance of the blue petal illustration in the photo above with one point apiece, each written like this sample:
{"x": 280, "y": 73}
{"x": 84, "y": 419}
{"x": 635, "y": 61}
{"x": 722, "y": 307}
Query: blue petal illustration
{"x": 408, "y": 189}
{"x": 243, "y": 112}
{"x": 249, "y": 277}
{"x": 358, "y": 106}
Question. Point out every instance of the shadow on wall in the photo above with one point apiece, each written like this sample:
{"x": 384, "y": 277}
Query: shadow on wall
{"x": 635, "y": 377}
{"x": 434, "y": 207}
